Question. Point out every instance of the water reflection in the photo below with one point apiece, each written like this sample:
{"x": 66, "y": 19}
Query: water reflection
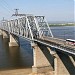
{"x": 6, "y": 44}
{"x": 14, "y": 57}
{"x": 14, "y": 53}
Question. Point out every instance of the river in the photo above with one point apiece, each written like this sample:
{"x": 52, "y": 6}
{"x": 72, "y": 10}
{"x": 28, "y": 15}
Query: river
{"x": 14, "y": 57}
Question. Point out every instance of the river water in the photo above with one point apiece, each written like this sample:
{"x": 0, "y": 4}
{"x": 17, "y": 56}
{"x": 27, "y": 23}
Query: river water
{"x": 64, "y": 32}
{"x": 22, "y": 57}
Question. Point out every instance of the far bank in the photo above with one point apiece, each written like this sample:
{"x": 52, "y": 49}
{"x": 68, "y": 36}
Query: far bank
{"x": 68, "y": 24}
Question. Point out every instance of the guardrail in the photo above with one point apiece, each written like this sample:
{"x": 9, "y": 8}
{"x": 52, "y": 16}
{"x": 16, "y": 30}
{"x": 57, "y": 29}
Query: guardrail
{"x": 61, "y": 47}
{"x": 59, "y": 41}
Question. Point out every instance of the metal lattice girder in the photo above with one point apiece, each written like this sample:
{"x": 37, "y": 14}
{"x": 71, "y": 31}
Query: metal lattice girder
{"x": 29, "y": 26}
{"x": 43, "y": 27}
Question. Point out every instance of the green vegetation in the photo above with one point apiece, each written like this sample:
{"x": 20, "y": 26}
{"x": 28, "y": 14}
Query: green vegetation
{"x": 67, "y": 24}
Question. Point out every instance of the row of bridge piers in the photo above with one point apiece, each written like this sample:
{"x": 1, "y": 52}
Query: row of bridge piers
{"x": 45, "y": 59}
{"x": 13, "y": 39}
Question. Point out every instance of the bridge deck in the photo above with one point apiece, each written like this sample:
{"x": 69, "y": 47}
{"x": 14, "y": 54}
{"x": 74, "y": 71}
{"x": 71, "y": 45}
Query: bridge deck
{"x": 59, "y": 41}
{"x": 35, "y": 28}
{"x": 58, "y": 44}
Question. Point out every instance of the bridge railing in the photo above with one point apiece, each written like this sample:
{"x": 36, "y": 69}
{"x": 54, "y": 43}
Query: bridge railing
{"x": 59, "y": 42}
{"x": 66, "y": 48}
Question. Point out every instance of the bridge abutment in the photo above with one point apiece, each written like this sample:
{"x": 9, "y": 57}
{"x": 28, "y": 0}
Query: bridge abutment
{"x": 14, "y": 40}
{"x": 43, "y": 61}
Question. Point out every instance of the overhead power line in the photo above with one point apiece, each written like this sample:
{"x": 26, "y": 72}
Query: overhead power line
{"x": 5, "y": 6}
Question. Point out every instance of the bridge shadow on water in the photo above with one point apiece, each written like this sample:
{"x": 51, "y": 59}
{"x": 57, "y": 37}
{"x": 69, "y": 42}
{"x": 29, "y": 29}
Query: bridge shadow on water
{"x": 15, "y": 57}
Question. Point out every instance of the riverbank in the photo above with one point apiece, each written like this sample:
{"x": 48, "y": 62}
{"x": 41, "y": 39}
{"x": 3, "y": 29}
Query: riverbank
{"x": 16, "y": 71}
{"x": 56, "y": 25}
{"x": 27, "y": 71}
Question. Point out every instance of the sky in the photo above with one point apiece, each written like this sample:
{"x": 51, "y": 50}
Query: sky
{"x": 53, "y": 10}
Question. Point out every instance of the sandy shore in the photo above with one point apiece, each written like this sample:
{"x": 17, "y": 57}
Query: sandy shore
{"x": 26, "y": 71}
{"x": 49, "y": 73}
{"x": 16, "y": 72}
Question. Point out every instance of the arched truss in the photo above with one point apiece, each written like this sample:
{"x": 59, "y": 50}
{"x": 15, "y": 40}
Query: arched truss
{"x": 29, "y": 26}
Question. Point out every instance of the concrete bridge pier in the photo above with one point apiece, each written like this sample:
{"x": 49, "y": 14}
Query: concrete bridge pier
{"x": 1, "y": 35}
{"x": 43, "y": 61}
{"x": 0, "y": 32}
{"x": 59, "y": 67}
{"x": 14, "y": 40}
{"x": 63, "y": 64}
{"x": 5, "y": 34}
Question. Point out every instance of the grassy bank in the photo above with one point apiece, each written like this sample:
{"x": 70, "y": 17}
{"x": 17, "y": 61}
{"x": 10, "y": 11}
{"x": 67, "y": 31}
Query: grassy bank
{"x": 51, "y": 25}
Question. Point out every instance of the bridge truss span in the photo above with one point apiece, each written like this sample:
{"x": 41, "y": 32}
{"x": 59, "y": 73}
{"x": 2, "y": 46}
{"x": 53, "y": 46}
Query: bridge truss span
{"x": 28, "y": 26}
{"x": 35, "y": 29}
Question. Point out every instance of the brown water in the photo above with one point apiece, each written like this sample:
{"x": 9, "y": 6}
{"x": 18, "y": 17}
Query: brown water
{"x": 15, "y": 58}
{"x": 19, "y": 60}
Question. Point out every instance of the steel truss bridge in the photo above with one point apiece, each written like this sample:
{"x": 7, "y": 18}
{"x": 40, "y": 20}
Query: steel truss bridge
{"x": 36, "y": 29}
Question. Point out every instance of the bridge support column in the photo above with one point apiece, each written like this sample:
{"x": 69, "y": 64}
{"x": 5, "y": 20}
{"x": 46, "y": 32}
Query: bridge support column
{"x": 0, "y": 32}
{"x": 5, "y": 34}
{"x": 14, "y": 40}
{"x": 1, "y": 35}
{"x": 42, "y": 59}
{"x": 63, "y": 64}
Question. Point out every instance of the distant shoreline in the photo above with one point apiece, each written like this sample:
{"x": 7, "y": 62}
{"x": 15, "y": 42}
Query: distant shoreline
{"x": 56, "y": 25}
